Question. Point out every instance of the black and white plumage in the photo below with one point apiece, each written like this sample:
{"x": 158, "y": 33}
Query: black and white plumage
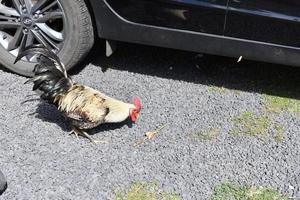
{"x": 83, "y": 106}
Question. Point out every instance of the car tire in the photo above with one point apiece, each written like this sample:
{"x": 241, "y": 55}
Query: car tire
{"x": 3, "y": 183}
{"x": 78, "y": 39}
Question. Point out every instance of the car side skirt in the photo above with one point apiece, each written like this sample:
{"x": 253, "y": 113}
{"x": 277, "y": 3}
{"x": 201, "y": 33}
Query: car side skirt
{"x": 112, "y": 26}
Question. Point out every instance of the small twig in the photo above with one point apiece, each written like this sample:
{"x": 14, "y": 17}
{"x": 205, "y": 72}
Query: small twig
{"x": 149, "y": 135}
{"x": 140, "y": 142}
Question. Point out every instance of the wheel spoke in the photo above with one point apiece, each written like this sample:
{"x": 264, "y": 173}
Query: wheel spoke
{"x": 40, "y": 39}
{"x": 29, "y": 39}
{"x": 9, "y": 11}
{"x": 49, "y": 6}
{"x": 13, "y": 44}
{"x": 50, "y": 15}
{"x": 53, "y": 44}
{"x": 23, "y": 43}
{"x": 8, "y": 17}
{"x": 7, "y": 24}
{"x": 58, "y": 36}
{"x": 39, "y": 5}
{"x": 28, "y": 5}
{"x": 17, "y": 5}
{"x": 3, "y": 17}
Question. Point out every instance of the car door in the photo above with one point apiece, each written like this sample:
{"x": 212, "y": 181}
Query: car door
{"x": 271, "y": 21}
{"x": 206, "y": 16}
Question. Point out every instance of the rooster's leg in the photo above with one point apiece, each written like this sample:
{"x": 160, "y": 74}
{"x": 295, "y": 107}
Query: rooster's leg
{"x": 74, "y": 132}
{"x": 84, "y": 134}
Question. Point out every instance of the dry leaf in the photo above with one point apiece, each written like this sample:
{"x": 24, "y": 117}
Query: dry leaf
{"x": 150, "y": 135}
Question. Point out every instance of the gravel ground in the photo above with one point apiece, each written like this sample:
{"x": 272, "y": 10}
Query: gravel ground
{"x": 41, "y": 161}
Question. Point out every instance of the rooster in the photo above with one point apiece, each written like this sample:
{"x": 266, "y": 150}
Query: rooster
{"x": 84, "y": 107}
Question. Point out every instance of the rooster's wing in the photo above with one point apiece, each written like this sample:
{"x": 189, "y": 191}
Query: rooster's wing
{"x": 83, "y": 106}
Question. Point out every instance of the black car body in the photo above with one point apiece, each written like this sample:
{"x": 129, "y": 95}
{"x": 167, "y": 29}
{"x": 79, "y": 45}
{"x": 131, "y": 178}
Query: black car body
{"x": 260, "y": 30}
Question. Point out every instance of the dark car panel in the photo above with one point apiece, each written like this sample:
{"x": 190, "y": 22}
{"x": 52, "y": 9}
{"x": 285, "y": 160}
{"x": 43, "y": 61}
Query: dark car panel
{"x": 262, "y": 30}
{"x": 112, "y": 25}
{"x": 179, "y": 14}
{"x": 276, "y": 21}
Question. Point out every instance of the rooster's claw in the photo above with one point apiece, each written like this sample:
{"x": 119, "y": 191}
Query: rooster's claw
{"x": 77, "y": 132}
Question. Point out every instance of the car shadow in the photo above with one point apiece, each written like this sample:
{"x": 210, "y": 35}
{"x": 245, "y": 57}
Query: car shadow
{"x": 250, "y": 76}
{"x": 4, "y": 189}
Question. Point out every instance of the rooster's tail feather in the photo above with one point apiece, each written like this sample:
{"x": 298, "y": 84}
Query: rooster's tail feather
{"x": 50, "y": 76}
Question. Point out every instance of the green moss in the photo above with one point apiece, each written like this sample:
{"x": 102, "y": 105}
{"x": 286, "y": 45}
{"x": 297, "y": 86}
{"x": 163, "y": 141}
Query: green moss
{"x": 227, "y": 191}
{"x": 277, "y": 104}
{"x": 279, "y": 135}
{"x": 237, "y": 92}
{"x": 248, "y": 123}
{"x": 144, "y": 191}
{"x": 216, "y": 89}
{"x": 209, "y": 134}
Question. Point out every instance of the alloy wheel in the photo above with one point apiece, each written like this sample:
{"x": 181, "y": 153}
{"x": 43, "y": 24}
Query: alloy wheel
{"x": 27, "y": 22}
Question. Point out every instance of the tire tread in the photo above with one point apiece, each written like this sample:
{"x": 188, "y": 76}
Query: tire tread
{"x": 86, "y": 35}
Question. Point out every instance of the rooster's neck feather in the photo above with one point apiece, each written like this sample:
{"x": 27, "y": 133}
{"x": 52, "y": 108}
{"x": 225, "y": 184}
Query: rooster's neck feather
{"x": 118, "y": 110}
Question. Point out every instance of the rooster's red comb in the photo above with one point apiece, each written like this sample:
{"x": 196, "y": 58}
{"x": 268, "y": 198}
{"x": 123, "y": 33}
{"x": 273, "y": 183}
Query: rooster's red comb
{"x": 136, "y": 102}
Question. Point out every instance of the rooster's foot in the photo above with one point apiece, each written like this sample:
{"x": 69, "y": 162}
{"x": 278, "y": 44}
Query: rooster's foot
{"x": 84, "y": 134}
{"x": 74, "y": 132}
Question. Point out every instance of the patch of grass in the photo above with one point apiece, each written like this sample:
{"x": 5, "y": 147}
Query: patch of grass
{"x": 277, "y": 104}
{"x": 216, "y": 89}
{"x": 279, "y": 135}
{"x": 144, "y": 191}
{"x": 222, "y": 89}
{"x": 237, "y": 92}
{"x": 248, "y": 123}
{"x": 227, "y": 191}
{"x": 209, "y": 134}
